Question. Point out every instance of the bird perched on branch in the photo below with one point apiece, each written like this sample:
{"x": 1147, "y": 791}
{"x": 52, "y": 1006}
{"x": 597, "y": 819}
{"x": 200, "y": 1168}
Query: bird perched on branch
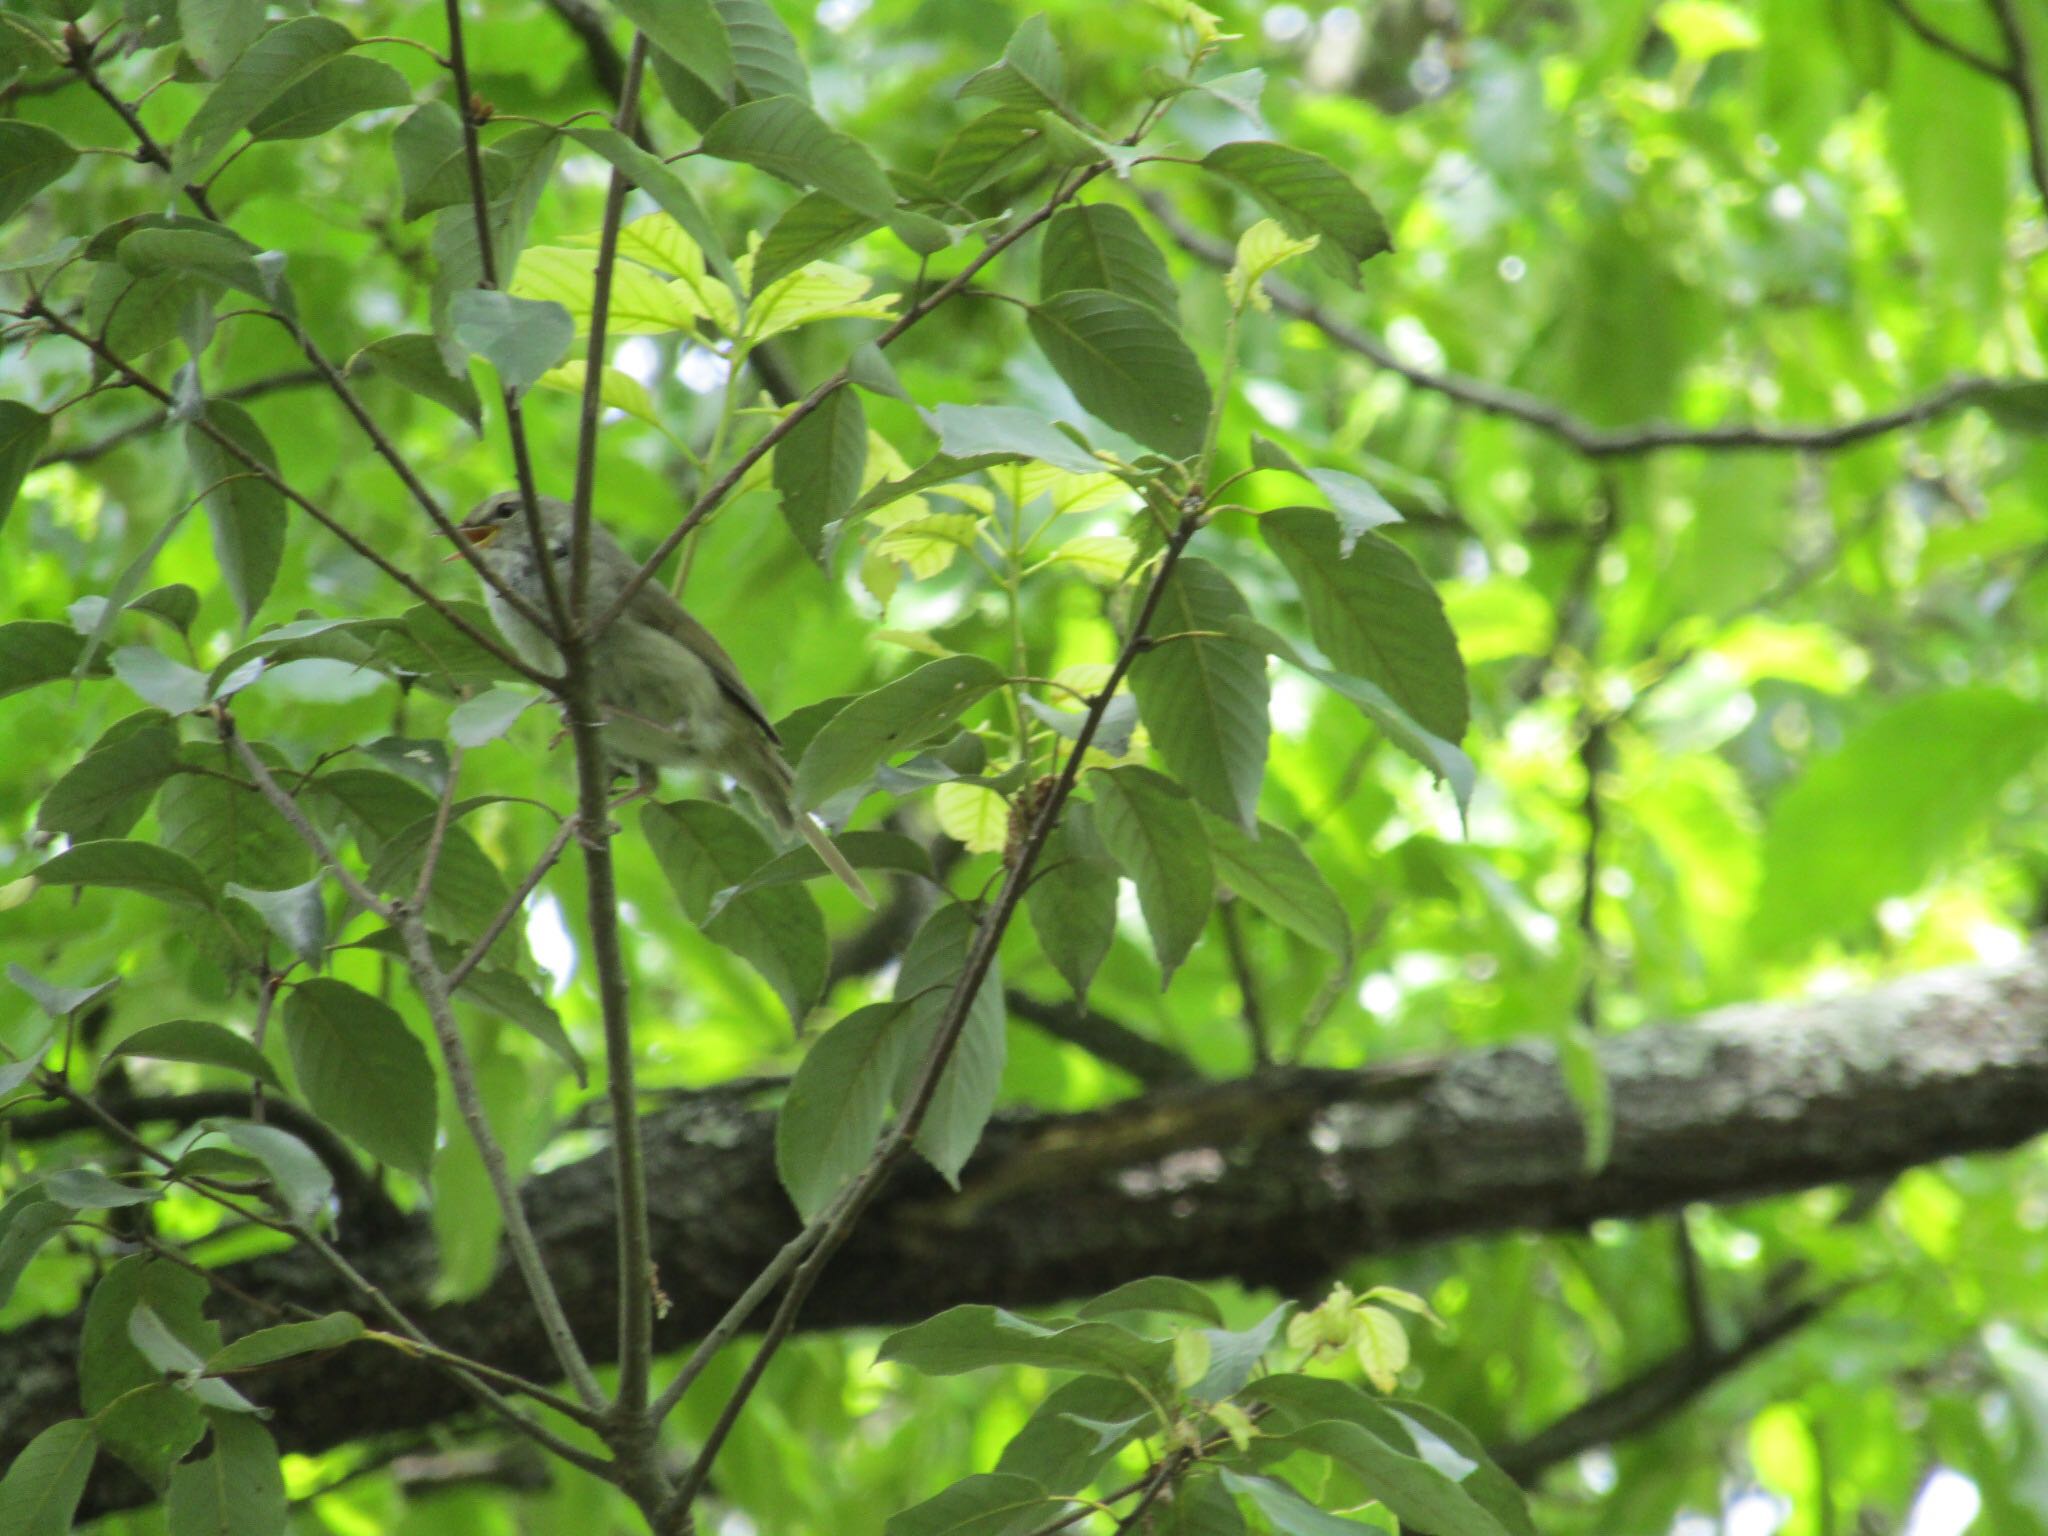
{"x": 668, "y": 693}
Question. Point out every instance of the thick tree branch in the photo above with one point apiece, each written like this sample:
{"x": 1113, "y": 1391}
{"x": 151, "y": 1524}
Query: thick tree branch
{"x": 1276, "y": 1181}
{"x": 1153, "y": 1064}
{"x": 1594, "y": 442}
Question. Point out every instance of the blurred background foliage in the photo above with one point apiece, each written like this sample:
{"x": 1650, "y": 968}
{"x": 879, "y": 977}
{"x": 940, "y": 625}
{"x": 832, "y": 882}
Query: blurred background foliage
{"x": 1797, "y": 688}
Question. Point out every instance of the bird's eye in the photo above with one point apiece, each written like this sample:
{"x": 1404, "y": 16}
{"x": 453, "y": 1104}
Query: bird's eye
{"x": 559, "y": 551}
{"x": 504, "y": 510}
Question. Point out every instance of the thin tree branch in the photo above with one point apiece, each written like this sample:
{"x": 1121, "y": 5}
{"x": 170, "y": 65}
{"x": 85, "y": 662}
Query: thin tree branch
{"x": 153, "y": 153}
{"x": 38, "y": 310}
{"x": 1656, "y": 1394}
{"x": 519, "y": 1236}
{"x": 636, "y": 1280}
{"x": 1247, "y": 986}
{"x": 2020, "y": 77}
{"x": 1941, "y": 42}
{"x": 1151, "y": 1063}
{"x": 100, "y": 447}
{"x": 502, "y": 919}
{"x": 1574, "y": 431}
{"x": 838, "y": 1222}
{"x": 295, "y": 818}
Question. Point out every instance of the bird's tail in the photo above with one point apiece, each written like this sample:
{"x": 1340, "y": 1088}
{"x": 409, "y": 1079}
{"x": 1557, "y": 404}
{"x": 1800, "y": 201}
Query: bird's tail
{"x": 767, "y": 779}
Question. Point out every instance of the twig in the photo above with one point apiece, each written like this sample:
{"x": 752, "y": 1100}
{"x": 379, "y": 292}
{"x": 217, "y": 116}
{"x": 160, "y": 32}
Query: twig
{"x": 1592, "y": 441}
{"x": 708, "y": 500}
{"x": 1151, "y": 1063}
{"x": 487, "y": 261}
{"x": 519, "y": 1234}
{"x": 504, "y": 915}
{"x": 1247, "y": 988}
{"x": 295, "y": 818}
{"x": 152, "y": 152}
{"x": 40, "y": 311}
{"x": 834, "y": 1225}
{"x": 2020, "y": 78}
{"x": 1941, "y": 42}
{"x": 100, "y": 447}
{"x": 1655, "y": 1394}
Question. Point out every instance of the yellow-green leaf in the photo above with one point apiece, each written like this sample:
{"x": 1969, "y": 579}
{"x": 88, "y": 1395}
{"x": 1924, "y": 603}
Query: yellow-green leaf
{"x": 619, "y": 391}
{"x": 1260, "y": 249}
{"x": 1381, "y": 1344}
{"x": 973, "y": 815}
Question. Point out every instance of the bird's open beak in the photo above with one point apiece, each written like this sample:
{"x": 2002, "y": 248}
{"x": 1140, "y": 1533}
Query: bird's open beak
{"x": 478, "y": 534}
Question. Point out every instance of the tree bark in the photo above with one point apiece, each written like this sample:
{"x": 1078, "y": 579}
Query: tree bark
{"x": 1274, "y": 1181}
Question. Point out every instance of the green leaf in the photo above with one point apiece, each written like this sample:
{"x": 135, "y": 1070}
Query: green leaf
{"x": 836, "y": 1104}
{"x": 670, "y": 193}
{"x": 521, "y": 338}
{"x": 118, "y": 864}
{"x": 1128, "y": 365}
{"x": 703, "y": 849}
{"x": 197, "y": 1040}
{"x": 216, "y": 31}
{"x": 1102, "y": 246}
{"x": 863, "y": 850}
{"x": 765, "y": 59}
{"x": 1032, "y": 72}
{"x": 489, "y": 715}
{"x": 1072, "y": 899}
{"x": 174, "y": 604}
{"x": 1289, "y": 1512}
{"x": 58, "y": 1002}
{"x": 295, "y": 914}
{"x": 511, "y": 996}
{"x": 82, "y": 1189}
{"x": 237, "y": 1490}
{"x": 413, "y": 362}
{"x": 302, "y": 1182}
{"x": 245, "y": 511}
{"x": 29, "y": 1219}
{"x": 36, "y": 651}
{"x": 1359, "y": 507}
{"x": 267, "y": 68}
{"x": 995, "y": 145}
{"x": 845, "y": 754}
{"x": 1309, "y": 196}
{"x": 363, "y": 1071}
{"x": 1204, "y": 700}
{"x": 1905, "y": 792}
{"x": 1156, "y": 1293}
{"x": 1235, "y": 1353}
{"x": 150, "y": 1427}
{"x": 787, "y": 138}
{"x": 1001, "y": 433}
{"x": 329, "y": 96}
{"x": 433, "y": 168}
{"x": 266, "y": 1346}
{"x": 110, "y": 788}
{"x": 818, "y": 469}
{"x": 1152, "y": 830}
{"x": 1059, "y": 1448}
{"x": 692, "y": 34}
{"x": 966, "y": 1093}
{"x": 1271, "y": 871}
{"x": 809, "y": 229}
{"x": 171, "y": 686}
{"x": 41, "y": 1490}
{"x": 228, "y": 831}
{"x": 981, "y": 1504}
{"x": 31, "y": 157}
{"x": 169, "y": 1350}
{"x": 1440, "y": 757}
{"x": 972, "y": 1338}
{"x": 1415, "y": 1491}
{"x": 23, "y": 435}
{"x": 1375, "y": 615}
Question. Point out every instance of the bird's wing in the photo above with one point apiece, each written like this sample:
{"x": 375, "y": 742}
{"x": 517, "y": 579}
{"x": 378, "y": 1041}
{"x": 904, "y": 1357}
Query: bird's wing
{"x": 653, "y": 606}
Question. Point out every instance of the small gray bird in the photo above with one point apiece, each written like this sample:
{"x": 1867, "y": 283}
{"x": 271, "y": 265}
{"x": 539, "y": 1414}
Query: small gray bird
{"x": 668, "y": 692}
